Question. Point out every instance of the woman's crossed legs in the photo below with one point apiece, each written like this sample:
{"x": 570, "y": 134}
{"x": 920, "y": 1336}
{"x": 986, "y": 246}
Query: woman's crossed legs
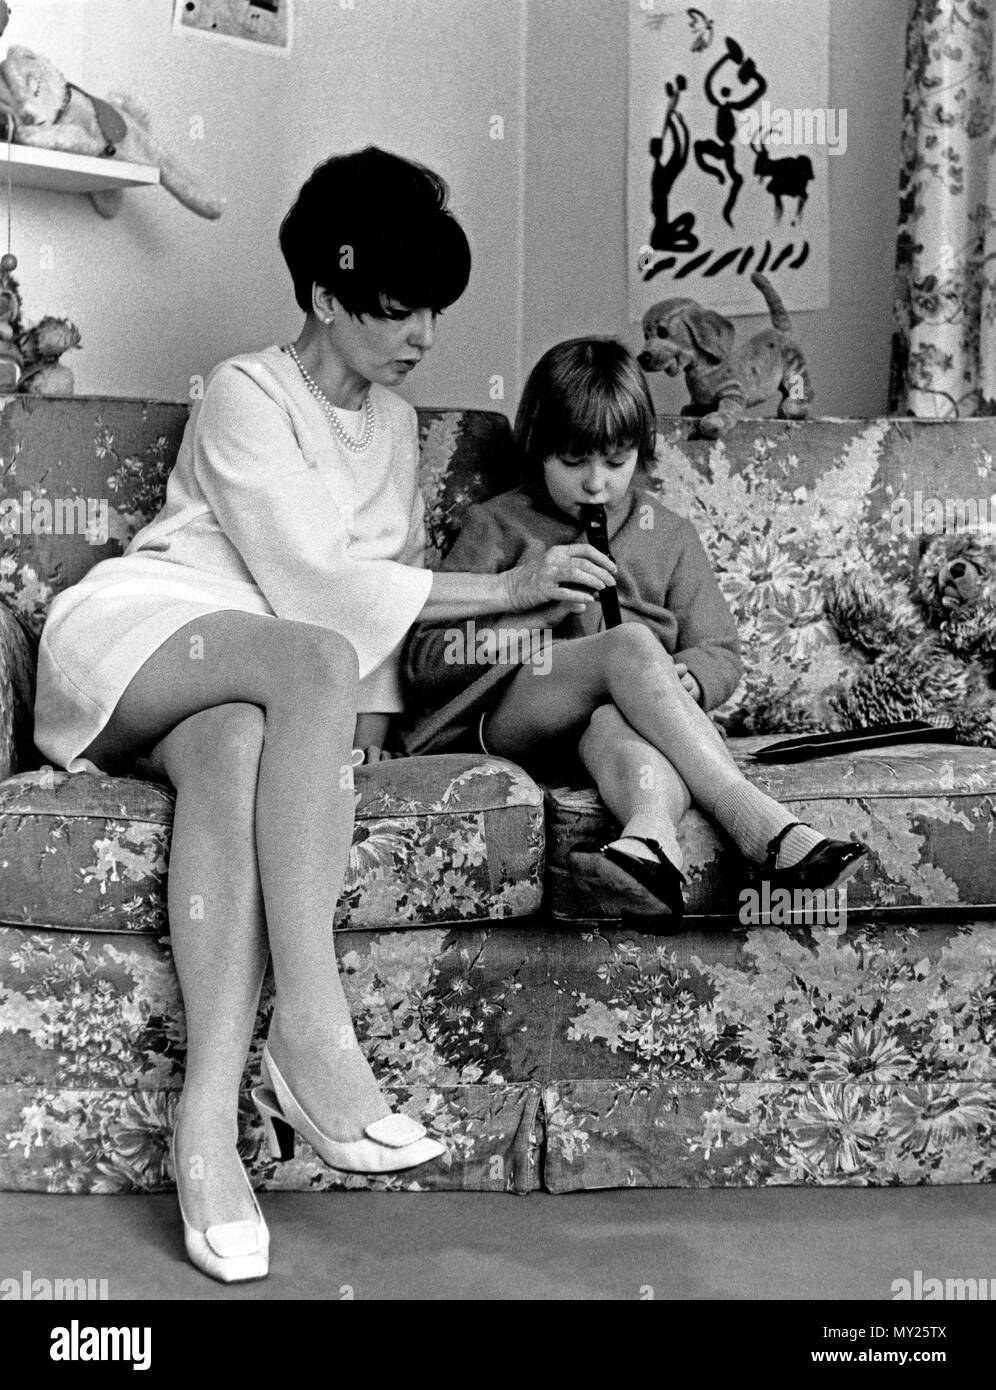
{"x": 251, "y": 720}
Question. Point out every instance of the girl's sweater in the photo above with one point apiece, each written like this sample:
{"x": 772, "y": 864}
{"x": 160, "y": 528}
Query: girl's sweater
{"x": 664, "y": 581}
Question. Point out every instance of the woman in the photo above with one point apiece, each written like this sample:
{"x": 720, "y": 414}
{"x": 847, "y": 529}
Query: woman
{"x": 245, "y": 642}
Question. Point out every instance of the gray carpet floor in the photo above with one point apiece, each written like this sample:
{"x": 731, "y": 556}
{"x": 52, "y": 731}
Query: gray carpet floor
{"x": 772, "y": 1243}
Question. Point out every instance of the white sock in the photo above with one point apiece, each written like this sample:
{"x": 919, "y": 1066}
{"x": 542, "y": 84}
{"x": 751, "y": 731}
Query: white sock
{"x": 667, "y": 841}
{"x": 754, "y": 819}
{"x": 796, "y": 845}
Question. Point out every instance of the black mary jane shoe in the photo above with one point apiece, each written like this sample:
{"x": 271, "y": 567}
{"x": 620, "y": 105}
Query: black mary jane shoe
{"x": 827, "y": 865}
{"x": 638, "y": 887}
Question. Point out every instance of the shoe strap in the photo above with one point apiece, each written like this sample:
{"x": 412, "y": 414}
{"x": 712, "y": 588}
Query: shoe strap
{"x": 655, "y": 845}
{"x": 395, "y": 1131}
{"x": 774, "y": 844}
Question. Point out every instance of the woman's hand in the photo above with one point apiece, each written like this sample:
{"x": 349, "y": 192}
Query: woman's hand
{"x": 545, "y": 577}
{"x": 547, "y": 615}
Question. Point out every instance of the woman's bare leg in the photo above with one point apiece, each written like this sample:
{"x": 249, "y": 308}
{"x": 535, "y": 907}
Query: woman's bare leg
{"x": 638, "y": 783}
{"x": 303, "y": 678}
{"x": 218, "y": 938}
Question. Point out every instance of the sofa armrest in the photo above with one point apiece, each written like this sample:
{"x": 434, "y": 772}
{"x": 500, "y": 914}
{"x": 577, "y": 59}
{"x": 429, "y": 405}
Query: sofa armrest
{"x": 18, "y": 654}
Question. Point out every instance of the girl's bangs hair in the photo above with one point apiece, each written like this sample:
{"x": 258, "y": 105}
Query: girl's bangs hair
{"x": 584, "y": 396}
{"x": 604, "y": 418}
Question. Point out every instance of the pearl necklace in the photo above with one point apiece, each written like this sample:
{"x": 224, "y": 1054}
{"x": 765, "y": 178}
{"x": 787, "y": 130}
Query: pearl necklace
{"x": 366, "y": 434}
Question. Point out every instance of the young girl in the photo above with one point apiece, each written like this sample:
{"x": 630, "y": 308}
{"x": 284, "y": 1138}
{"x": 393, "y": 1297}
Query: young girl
{"x": 630, "y": 702}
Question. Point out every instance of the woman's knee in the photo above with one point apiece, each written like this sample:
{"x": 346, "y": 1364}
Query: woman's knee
{"x": 218, "y": 749}
{"x": 318, "y": 664}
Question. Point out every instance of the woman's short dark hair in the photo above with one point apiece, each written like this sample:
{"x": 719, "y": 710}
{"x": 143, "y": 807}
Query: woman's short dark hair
{"x": 584, "y": 396}
{"x": 371, "y": 224}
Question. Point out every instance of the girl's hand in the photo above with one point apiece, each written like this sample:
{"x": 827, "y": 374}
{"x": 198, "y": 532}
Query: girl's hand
{"x": 370, "y": 735}
{"x": 689, "y": 682}
{"x": 545, "y": 577}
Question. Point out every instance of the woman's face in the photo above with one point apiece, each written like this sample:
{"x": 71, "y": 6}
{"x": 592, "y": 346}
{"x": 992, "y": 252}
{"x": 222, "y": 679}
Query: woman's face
{"x": 384, "y": 349}
{"x": 599, "y": 477}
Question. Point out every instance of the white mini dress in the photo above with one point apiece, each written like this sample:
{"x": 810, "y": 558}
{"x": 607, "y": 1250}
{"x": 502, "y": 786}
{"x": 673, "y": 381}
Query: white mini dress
{"x": 267, "y": 512}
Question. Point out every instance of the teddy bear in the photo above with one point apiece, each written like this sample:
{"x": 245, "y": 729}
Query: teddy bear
{"x": 723, "y": 379}
{"x": 51, "y": 113}
{"x": 42, "y": 346}
{"x": 29, "y": 357}
{"x": 930, "y": 652}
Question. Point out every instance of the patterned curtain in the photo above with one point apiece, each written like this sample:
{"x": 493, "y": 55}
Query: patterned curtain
{"x": 944, "y": 349}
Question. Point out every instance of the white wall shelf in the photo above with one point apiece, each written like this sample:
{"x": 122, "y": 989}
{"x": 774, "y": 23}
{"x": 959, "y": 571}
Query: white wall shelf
{"x": 70, "y": 173}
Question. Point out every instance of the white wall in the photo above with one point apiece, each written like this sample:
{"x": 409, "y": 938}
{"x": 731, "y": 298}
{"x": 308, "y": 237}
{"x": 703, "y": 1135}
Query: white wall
{"x": 575, "y": 194}
{"x": 160, "y": 294}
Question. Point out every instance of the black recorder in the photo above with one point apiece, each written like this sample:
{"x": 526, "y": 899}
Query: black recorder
{"x": 597, "y": 534}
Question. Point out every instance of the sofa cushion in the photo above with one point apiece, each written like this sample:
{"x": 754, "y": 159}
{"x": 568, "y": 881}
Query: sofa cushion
{"x": 446, "y": 839}
{"x": 96, "y": 458}
{"x": 17, "y": 693}
{"x": 108, "y": 457}
{"x": 928, "y": 812}
{"x": 784, "y": 508}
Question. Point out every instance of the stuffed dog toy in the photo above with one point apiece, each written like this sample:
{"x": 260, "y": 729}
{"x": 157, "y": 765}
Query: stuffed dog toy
{"x": 680, "y": 335}
{"x": 53, "y": 114}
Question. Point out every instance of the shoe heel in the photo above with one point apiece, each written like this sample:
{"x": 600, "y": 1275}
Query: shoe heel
{"x": 280, "y": 1137}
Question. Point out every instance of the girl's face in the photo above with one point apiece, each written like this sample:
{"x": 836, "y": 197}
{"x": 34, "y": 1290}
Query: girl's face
{"x": 599, "y": 477}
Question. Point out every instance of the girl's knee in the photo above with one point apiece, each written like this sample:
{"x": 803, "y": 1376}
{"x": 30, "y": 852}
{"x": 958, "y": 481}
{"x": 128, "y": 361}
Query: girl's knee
{"x": 632, "y": 644}
{"x": 604, "y": 729}
{"x": 605, "y": 721}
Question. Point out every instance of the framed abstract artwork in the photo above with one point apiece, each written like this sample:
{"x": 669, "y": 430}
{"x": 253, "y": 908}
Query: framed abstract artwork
{"x": 262, "y": 25}
{"x": 730, "y": 138}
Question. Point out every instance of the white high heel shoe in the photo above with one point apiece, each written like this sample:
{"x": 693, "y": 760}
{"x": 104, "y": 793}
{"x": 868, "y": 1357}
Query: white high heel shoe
{"x": 232, "y": 1252}
{"x": 392, "y": 1143}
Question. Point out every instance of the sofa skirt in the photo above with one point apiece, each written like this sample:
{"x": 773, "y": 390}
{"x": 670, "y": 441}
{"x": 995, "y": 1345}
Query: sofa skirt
{"x": 545, "y": 1058}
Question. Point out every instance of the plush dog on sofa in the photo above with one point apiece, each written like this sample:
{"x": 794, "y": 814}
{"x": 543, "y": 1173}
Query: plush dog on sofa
{"x": 930, "y": 648}
{"x": 723, "y": 379}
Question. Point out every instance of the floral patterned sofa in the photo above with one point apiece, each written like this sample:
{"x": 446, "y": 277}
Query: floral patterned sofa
{"x": 544, "y": 1043}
